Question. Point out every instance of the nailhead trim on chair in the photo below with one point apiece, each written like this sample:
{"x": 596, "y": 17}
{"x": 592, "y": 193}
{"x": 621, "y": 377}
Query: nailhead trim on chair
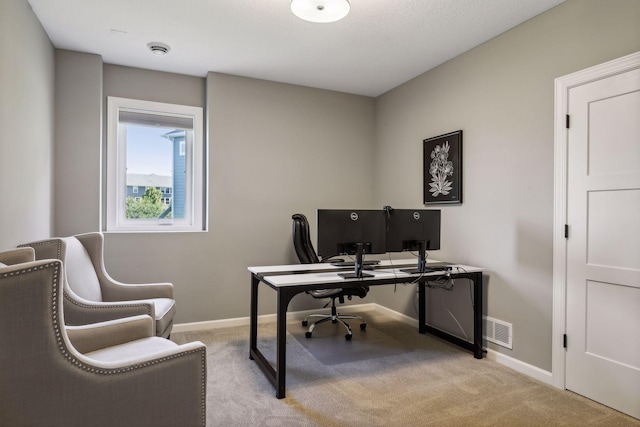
{"x": 70, "y": 358}
{"x": 26, "y": 270}
{"x": 46, "y": 242}
{"x": 73, "y": 301}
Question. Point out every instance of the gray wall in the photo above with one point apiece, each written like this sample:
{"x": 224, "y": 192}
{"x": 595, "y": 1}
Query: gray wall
{"x": 26, "y": 121}
{"x": 78, "y": 132}
{"x": 501, "y": 95}
{"x": 274, "y": 149}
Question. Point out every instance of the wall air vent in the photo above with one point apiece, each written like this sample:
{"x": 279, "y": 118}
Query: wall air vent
{"x": 498, "y": 332}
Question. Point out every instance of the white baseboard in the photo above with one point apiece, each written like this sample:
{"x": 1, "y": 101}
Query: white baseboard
{"x": 265, "y": 318}
{"x": 211, "y": 324}
{"x": 520, "y": 366}
{"x": 508, "y": 361}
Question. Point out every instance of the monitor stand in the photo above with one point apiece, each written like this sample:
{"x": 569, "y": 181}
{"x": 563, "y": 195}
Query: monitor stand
{"x": 357, "y": 265}
{"x": 422, "y": 260}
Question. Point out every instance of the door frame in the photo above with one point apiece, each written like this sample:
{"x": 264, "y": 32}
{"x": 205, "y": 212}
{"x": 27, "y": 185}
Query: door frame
{"x": 562, "y": 87}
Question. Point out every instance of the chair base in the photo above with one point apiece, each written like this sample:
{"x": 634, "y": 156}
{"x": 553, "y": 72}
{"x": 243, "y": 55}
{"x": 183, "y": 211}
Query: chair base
{"x": 335, "y": 317}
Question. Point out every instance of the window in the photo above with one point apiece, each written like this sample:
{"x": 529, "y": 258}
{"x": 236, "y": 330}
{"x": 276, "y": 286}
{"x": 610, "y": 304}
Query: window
{"x": 159, "y": 149}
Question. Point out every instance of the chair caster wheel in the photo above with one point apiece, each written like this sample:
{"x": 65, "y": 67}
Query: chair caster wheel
{"x": 348, "y": 337}
{"x": 363, "y": 326}
{"x": 305, "y": 323}
{"x": 307, "y": 334}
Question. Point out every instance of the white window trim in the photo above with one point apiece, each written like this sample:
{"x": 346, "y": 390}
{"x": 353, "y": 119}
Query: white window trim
{"x": 195, "y": 217}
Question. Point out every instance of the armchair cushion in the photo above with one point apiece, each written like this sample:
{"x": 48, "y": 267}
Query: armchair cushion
{"x": 165, "y": 309}
{"x": 129, "y": 352}
{"x": 88, "y": 338}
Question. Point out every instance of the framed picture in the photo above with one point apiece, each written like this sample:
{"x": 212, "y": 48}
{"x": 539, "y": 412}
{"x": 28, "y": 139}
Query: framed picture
{"x": 443, "y": 169}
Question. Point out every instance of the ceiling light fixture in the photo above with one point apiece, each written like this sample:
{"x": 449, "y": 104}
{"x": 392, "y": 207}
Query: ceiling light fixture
{"x": 321, "y": 11}
{"x": 158, "y": 49}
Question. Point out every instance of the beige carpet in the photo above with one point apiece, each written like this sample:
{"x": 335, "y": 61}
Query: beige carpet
{"x": 428, "y": 383}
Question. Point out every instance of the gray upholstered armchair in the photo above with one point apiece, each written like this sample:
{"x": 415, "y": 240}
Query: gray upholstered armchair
{"x": 114, "y": 373}
{"x": 91, "y": 295}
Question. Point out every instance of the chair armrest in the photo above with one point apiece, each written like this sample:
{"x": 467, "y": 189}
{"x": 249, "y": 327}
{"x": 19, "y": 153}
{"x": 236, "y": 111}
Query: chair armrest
{"x": 17, "y": 256}
{"x": 113, "y": 290}
{"x": 78, "y": 311}
{"x": 325, "y": 293}
{"x": 331, "y": 259}
{"x": 97, "y": 336}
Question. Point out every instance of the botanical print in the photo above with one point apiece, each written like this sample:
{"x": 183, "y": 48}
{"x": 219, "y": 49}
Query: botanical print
{"x": 440, "y": 168}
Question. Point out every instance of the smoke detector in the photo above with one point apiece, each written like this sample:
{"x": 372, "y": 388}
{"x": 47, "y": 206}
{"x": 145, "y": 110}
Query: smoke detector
{"x": 158, "y": 49}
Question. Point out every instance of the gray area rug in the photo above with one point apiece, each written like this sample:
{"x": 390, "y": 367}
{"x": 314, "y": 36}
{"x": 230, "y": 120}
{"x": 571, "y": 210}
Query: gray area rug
{"x": 431, "y": 383}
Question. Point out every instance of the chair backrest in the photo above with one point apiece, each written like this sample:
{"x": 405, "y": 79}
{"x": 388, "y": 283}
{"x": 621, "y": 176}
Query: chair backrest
{"x": 302, "y": 240}
{"x": 32, "y": 338}
{"x": 29, "y": 292}
{"x": 80, "y": 271}
{"x": 82, "y": 278}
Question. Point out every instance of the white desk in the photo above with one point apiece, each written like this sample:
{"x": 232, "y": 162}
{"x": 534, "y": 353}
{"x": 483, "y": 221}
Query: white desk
{"x": 290, "y": 280}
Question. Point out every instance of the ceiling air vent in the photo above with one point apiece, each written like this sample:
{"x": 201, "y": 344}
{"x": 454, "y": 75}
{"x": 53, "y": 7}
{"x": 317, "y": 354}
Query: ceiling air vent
{"x": 158, "y": 49}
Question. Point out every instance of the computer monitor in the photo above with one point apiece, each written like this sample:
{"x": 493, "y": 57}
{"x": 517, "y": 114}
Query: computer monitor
{"x": 351, "y": 232}
{"x": 413, "y": 230}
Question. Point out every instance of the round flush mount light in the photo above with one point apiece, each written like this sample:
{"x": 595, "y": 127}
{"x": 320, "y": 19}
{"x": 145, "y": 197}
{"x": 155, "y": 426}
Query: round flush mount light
{"x": 321, "y": 11}
{"x": 158, "y": 49}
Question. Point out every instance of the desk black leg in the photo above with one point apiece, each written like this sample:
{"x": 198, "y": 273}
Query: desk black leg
{"x": 477, "y": 315}
{"x": 284, "y": 297}
{"x": 422, "y": 308}
{"x": 281, "y": 346}
{"x": 253, "y": 335}
{"x": 275, "y": 376}
{"x": 476, "y": 346}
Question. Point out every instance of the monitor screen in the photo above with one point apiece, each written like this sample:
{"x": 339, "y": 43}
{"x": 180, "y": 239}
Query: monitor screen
{"x": 341, "y": 230}
{"x": 406, "y": 228}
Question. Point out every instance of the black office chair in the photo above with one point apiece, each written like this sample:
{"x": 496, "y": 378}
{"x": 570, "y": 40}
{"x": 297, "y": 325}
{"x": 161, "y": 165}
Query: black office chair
{"x": 307, "y": 255}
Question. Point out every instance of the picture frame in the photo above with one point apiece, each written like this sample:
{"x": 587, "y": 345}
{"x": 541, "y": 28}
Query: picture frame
{"x": 443, "y": 169}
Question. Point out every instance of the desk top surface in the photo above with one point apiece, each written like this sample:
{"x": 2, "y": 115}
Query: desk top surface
{"x": 308, "y": 274}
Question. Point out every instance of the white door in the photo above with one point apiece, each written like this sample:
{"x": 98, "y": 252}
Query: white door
{"x": 603, "y": 246}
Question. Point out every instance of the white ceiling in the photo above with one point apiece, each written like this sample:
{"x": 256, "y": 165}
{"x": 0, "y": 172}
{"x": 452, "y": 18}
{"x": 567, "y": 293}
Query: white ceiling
{"x": 378, "y": 46}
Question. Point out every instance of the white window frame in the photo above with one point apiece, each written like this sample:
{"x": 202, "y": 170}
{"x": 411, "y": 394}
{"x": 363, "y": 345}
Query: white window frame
{"x": 116, "y": 193}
